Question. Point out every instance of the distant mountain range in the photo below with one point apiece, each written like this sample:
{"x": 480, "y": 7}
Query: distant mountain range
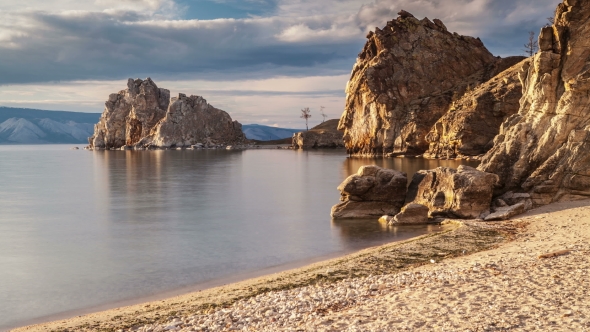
{"x": 31, "y": 126}
{"x": 267, "y": 133}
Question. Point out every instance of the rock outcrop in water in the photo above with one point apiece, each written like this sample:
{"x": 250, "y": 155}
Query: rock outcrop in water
{"x": 191, "y": 120}
{"x": 405, "y": 79}
{"x": 544, "y": 150}
{"x": 324, "y": 135}
{"x": 372, "y": 192}
{"x": 130, "y": 114}
{"x": 143, "y": 116}
{"x": 471, "y": 123}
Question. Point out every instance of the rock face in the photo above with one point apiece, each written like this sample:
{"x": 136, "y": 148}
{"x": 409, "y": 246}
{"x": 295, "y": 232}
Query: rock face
{"x": 324, "y": 135}
{"x": 544, "y": 150}
{"x": 130, "y": 114}
{"x": 191, "y": 120}
{"x": 462, "y": 193}
{"x": 411, "y": 214}
{"x": 372, "y": 192}
{"x": 143, "y": 116}
{"x": 404, "y": 80}
{"x": 472, "y": 122}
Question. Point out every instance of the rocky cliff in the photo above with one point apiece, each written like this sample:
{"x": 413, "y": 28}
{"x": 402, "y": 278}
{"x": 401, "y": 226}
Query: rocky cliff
{"x": 404, "y": 80}
{"x": 471, "y": 122}
{"x": 191, "y": 120}
{"x": 143, "y": 116}
{"x": 545, "y": 148}
{"x": 324, "y": 135}
{"x": 130, "y": 114}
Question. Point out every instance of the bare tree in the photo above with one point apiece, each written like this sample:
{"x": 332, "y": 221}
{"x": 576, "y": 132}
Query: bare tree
{"x": 531, "y": 47}
{"x": 551, "y": 20}
{"x": 305, "y": 114}
{"x": 323, "y": 114}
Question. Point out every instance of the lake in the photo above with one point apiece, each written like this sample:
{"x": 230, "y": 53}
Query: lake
{"x": 83, "y": 231}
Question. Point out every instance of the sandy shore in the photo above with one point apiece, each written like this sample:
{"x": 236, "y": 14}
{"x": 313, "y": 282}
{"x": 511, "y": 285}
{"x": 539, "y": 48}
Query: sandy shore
{"x": 474, "y": 276}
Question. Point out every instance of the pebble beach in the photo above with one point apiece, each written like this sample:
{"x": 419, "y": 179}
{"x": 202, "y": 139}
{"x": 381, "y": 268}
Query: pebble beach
{"x": 526, "y": 274}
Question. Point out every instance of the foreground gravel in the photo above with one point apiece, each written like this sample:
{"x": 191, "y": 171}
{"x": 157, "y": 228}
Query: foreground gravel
{"x": 509, "y": 288}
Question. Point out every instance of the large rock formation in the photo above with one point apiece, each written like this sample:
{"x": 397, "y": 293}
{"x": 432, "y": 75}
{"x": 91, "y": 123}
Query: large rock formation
{"x": 544, "y": 150}
{"x": 191, "y": 120}
{"x": 472, "y": 122}
{"x": 405, "y": 79}
{"x": 130, "y": 114}
{"x": 324, "y": 135}
{"x": 372, "y": 192}
{"x": 461, "y": 193}
{"x": 142, "y": 116}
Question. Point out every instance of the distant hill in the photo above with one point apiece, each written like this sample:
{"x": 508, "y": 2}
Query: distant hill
{"x": 267, "y": 133}
{"x": 32, "y": 126}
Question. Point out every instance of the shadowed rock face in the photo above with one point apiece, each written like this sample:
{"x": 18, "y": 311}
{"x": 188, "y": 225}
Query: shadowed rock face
{"x": 191, "y": 120}
{"x": 324, "y": 135}
{"x": 462, "y": 193}
{"x": 372, "y": 192}
{"x": 404, "y": 80}
{"x": 472, "y": 122}
{"x": 143, "y": 116}
{"x": 545, "y": 148}
{"x": 130, "y": 114}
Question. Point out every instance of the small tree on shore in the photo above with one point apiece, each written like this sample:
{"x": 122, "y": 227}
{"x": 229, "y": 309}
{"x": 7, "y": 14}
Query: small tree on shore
{"x": 305, "y": 114}
{"x": 531, "y": 47}
{"x": 323, "y": 114}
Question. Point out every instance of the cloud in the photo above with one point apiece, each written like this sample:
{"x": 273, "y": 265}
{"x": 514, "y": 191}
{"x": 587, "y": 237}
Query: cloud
{"x": 117, "y": 39}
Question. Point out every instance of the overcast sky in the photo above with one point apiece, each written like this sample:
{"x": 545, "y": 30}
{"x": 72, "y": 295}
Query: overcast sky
{"x": 260, "y": 60}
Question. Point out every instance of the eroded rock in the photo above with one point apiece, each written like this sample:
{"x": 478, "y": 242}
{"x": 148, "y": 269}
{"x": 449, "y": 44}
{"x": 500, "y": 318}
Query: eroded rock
{"x": 404, "y": 80}
{"x": 190, "y": 121}
{"x": 411, "y": 214}
{"x": 506, "y": 212}
{"x": 461, "y": 193}
{"x": 544, "y": 150}
{"x": 372, "y": 192}
{"x": 130, "y": 114}
{"x": 471, "y": 122}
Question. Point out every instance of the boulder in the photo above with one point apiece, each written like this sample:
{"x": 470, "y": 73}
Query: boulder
{"x": 544, "y": 149}
{"x": 372, "y": 192}
{"x": 130, "y": 114}
{"x": 405, "y": 79}
{"x": 324, "y": 135}
{"x": 190, "y": 121}
{"x": 461, "y": 193}
{"x": 506, "y": 212}
{"x": 411, "y": 214}
{"x": 471, "y": 122}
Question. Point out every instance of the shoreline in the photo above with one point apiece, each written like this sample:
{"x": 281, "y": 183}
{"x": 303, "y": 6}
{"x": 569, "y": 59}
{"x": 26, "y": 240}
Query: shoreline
{"x": 353, "y": 265}
{"x": 207, "y": 284}
{"x": 466, "y": 243}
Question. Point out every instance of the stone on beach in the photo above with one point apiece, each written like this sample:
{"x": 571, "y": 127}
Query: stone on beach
{"x": 411, "y": 214}
{"x": 372, "y": 192}
{"x": 506, "y": 212}
{"x": 461, "y": 193}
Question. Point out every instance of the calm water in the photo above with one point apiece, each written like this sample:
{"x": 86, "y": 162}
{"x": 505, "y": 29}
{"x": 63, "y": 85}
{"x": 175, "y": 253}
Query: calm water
{"x": 80, "y": 229}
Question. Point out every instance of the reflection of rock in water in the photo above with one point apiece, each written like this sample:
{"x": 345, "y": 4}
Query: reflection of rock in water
{"x": 408, "y": 165}
{"x": 356, "y": 233}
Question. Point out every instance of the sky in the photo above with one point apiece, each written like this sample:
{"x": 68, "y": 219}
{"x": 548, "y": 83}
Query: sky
{"x": 259, "y": 60}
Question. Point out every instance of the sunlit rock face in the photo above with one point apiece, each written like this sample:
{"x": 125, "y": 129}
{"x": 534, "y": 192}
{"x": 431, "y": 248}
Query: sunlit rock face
{"x": 545, "y": 148}
{"x": 130, "y": 114}
{"x": 324, "y": 135}
{"x": 144, "y": 116}
{"x": 191, "y": 120}
{"x": 405, "y": 79}
{"x": 471, "y": 123}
